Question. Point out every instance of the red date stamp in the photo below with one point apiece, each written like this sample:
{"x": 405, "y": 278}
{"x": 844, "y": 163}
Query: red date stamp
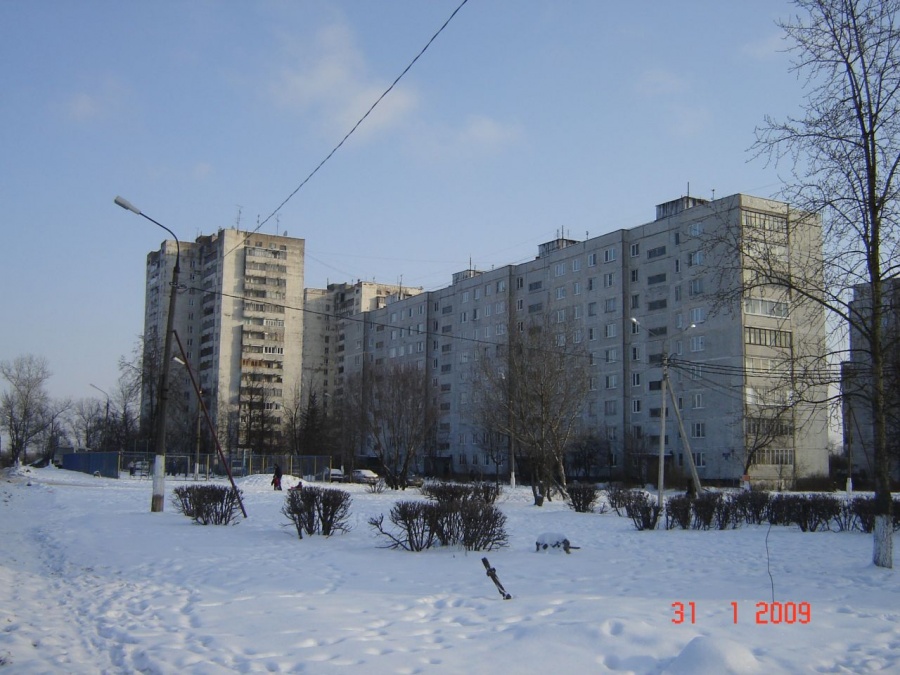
{"x": 766, "y": 613}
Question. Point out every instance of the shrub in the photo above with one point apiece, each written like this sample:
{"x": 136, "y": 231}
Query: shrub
{"x": 317, "y": 510}
{"x": 377, "y": 487}
{"x": 208, "y": 504}
{"x": 470, "y": 523}
{"x": 642, "y": 510}
{"x": 583, "y": 497}
{"x": 782, "y": 510}
{"x": 818, "y": 512}
{"x": 617, "y": 496}
{"x": 727, "y": 514}
{"x": 456, "y": 492}
{"x": 863, "y": 509}
{"x": 751, "y": 506}
{"x": 704, "y": 508}
{"x": 678, "y": 512}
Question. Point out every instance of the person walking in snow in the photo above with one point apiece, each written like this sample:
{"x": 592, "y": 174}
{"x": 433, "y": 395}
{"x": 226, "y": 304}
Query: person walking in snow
{"x": 276, "y": 477}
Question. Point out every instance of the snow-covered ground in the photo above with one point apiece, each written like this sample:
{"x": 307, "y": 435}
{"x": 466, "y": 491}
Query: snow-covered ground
{"x": 92, "y": 582}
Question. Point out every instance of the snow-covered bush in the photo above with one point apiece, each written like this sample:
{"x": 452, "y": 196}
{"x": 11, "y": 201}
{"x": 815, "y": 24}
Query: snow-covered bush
{"x": 678, "y": 512}
{"x": 208, "y": 504}
{"x": 317, "y": 510}
{"x": 583, "y": 497}
{"x": 470, "y": 523}
{"x": 441, "y": 491}
{"x": 642, "y": 510}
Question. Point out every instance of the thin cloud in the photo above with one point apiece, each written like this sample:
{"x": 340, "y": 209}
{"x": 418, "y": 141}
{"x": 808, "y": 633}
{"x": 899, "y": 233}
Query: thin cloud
{"x": 105, "y": 101}
{"x": 332, "y": 81}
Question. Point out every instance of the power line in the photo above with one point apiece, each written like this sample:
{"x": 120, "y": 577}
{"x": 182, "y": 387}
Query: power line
{"x": 355, "y": 126}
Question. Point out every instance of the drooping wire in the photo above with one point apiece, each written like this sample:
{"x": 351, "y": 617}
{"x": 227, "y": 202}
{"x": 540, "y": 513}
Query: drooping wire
{"x": 355, "y": 127}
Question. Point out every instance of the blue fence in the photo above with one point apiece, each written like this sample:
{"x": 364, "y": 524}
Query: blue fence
{"x": 104, "y": 463}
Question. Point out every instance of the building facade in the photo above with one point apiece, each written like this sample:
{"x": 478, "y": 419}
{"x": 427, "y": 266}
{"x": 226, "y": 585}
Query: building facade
{"x": 633, "y": 300}
{"x": 239, "y": 315}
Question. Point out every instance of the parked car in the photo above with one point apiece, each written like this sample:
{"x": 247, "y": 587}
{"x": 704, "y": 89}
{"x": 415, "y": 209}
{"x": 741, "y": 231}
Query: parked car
{"x": 414, "y": 480}
{"x": 364, "y": 476}
{"x": 332, "y": 475}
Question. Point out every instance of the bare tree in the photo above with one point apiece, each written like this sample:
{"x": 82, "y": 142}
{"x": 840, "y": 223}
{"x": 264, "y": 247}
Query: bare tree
{"x": 25, "y": 406}
{"x": 401, "y": 418}
{"x": 533, "y": 392}
{"x": 845, "y": 154}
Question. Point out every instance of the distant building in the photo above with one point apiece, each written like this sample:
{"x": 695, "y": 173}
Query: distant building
{"x": 856, "y": 383}
{"x": 327, "y": 313}
{"x": 629, "y": 296}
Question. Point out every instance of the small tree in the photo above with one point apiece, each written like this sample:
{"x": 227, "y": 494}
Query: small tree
{"x": 25, "y": 406}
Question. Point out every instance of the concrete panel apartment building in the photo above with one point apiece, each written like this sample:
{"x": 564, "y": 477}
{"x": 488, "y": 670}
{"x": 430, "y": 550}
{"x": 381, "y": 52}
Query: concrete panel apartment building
{"x": 628, "y": 296}
{"x": 239, "y": 316}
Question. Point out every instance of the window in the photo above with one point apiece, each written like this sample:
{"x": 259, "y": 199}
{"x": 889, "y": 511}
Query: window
{"x": 535, "y": 286}
{"x": 697, "y": 400}
{"x": 576, "y": 311}
{"x": 636, "y": 301}
{"x": 576, "y": 265}
{"x": 520, "y": 305}
{"x": 609, "y": 255}
{"x": 610, "y": 305}
{"x": 698, "y": 429}
{"x": 611, "y": 330}
{"x": 535, "y": 308}
{"x": 635, "y": 276}
{"x": 699, "y": 459}
{"x": 612, "y": 381}
{"x": 656, "y": 252}
{"x": 561, "y": 293}
{"x": 612, "y": 355}
{"x": 677, "y": 265}
{"x": 656, "y": 279}
{"x": 678, "y": 294}
{"x": 560, "y": 269}
{"x": 592, "y": 259}
{"x": 592, "y": 309}
{"x": 636, "y": 405}
{"x": 465, "y": 296}
{"x": 635, "y": 327}
{"x": 611, "y": 407}
{"x": 767, "y": 337}
{"x": 576, "y": 288}
{"x": 592, "y": 334}
{"x": 698, "y": 343}
{"x": 560, "y": 316}
{"x": 696, "y": 287}
{"x": 765, "y": 307}
{"x": 591, "y": 283}
{"x": 477, "y": 293}
{"x": 695, "y": 258}
{"x": 608, "y": 280}
{"x": 657, "y": 304}
{"x": 698, "y": 315}
{"x": 520, "y": 283}
{"x": 636, "y": 353}
{"x": 635, "y": 250}
{"x": 696, "y": 229}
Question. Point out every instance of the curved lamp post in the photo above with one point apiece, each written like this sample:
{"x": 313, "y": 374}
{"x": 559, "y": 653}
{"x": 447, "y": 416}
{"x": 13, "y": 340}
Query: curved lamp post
{"x": 157, "y": 501}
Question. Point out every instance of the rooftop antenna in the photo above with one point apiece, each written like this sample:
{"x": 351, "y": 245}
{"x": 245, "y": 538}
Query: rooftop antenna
{"x": 277, "y": 223}
{"x": 689, "y": 189}
{"x": 237, "y": 221}
{"x": 714, "y": 194}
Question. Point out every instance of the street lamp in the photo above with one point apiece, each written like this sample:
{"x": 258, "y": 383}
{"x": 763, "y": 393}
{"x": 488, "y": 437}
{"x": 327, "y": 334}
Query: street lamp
{"x": 199, "y": 412}
{"x": 157, "y": 501}
{"x": 662, "y": 426}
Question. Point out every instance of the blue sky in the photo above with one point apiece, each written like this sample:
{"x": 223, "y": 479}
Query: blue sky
{"x": 522, "y": 118}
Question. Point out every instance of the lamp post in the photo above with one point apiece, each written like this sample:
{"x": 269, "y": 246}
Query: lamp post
{"x": 157, "y": 501}
{"x": 105, "y": 419}
{"x": 661, "y": 475}
{"x": 199, "y": 413}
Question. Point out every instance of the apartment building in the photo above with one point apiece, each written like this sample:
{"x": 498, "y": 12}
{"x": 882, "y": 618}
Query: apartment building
{"x": 856, "y": 383}
{"x": 327, "y": 322}
{"x": 239, "y": 315}
{"x": 634, "y": 300}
